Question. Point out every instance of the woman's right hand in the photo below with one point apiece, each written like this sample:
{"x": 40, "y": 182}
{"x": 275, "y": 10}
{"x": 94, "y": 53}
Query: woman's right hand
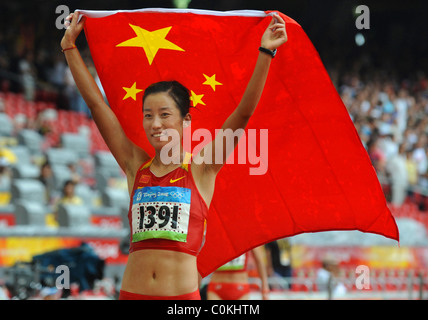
{"x": 73, "y": 29}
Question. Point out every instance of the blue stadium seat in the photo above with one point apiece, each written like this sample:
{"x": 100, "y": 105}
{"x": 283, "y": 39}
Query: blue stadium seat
{"x": 28, "y": 190}
{"x": 25, "y": 171}
{"x": 85, "y": 193}
{"x": 73, "y": 215}
{"x": 77, "y": 143}
{"x": 22, "y": 153}
{"x": 106, "y": 167}
{"x": 61, "y": 156}
{"x": 113, "y": 197}
{"x": 61, "y": 174}
{"x": 31, "y": 139}
{"x": 30, "y": 213}
{"x": 6, "y": 125}
{"x": 105, "y": 162}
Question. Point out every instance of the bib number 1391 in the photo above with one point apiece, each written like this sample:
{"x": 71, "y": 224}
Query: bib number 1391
{"x": 161, "y": 215}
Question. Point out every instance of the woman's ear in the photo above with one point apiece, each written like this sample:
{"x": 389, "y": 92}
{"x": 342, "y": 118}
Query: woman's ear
{"x": 187, "y": 120}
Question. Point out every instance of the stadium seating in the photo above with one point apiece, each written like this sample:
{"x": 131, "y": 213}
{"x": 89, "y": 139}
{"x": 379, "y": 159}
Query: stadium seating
{"x": 113, "y": 197}
{"x": 61, "y": 174}
{"x": 106, "y": 168}
{"x": 31, "y": 139}
{"x": 6, "y": 125}
{"x": 22, "y": 154}
{"x": 78, "y": 143}
{"x": 73, "y": 216}
{"x": 28, "y": 190}
{"x": 30, "y": 213}
{"x": 25, "y": 171}
{"x": 87, "y": 195}
{"x": 105, "y": 161}
{"x": 61, "y": 156}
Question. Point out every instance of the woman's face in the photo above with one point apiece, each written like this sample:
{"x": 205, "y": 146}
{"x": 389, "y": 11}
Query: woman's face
{"x": 159, "y": 114}
{"x": 69, "y": 190}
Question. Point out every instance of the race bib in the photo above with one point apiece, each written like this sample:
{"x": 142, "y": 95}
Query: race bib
{"x": 235, "y": 264}
{"x": 160, "y": 213}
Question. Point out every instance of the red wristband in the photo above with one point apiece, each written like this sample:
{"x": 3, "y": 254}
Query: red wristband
{"x": 73, "y": 47}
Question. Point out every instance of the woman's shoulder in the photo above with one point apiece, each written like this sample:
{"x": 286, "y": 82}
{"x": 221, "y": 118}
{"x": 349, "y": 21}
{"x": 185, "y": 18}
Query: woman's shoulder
{"x": 138, "y": 158}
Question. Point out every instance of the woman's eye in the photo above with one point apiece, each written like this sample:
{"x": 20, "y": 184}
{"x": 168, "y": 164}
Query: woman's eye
{"x": 165, "y": 114}
{"x": 147, "y": 116}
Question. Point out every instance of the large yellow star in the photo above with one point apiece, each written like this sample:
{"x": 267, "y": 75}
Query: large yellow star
{"x": 196, "y": 98}
{"x": 211, "y": 81}
{"x": 150, "y": 41}
{"x": 131, "y": 92}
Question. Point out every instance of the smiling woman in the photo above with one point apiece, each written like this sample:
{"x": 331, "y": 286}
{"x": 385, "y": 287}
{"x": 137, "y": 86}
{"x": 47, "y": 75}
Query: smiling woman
{"x": 166, "y": 105}
{"x": 169, "y": 201}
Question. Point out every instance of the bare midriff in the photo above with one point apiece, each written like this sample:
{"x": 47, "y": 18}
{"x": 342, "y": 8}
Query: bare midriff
{"x": 160, "y": 273}
{"x": 230, "y": 277}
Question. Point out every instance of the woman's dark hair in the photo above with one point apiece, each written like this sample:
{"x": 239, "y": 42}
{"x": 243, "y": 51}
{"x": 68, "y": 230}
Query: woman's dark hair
{"x": 179, "y": 93}
{"x": 66, "y": 183}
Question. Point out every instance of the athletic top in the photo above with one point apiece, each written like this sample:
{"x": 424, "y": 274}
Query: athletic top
{"x": 237, "y": 264}
{"x": 168, "y": 212}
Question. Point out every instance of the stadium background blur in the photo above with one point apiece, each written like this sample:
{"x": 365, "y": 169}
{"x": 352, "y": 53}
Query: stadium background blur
{"x": 47, "y": 138}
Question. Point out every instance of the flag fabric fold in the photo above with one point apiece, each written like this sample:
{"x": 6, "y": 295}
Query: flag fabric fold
{"x": 312, "y": 172}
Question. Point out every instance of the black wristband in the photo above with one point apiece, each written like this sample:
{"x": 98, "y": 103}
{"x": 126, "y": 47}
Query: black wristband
{"x": 269, "y": 52}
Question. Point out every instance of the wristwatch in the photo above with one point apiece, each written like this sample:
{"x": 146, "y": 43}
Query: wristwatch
{"x": 270, "y": 52}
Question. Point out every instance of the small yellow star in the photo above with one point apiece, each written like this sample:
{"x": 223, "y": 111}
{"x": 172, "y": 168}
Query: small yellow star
{"x": 211, "y": 81}
{"x": 196, "y": 98}
{"x": 150, "y": 41}
{"x": 131, "y": 92}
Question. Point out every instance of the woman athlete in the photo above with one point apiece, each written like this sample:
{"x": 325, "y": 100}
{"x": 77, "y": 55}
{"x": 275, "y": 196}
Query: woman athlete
{"x": 169, "y": 201}
{"x": 230, "y": 281}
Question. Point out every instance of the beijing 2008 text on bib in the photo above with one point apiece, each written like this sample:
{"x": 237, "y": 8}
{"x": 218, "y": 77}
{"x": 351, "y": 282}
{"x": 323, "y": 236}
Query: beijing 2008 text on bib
{"x": 160, "y": 213}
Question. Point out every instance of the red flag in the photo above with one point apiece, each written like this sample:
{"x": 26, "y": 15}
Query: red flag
{"x": 313, "y": 172}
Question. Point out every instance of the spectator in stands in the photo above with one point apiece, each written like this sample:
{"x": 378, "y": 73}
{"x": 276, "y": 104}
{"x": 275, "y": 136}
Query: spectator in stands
{"x": 75, "y": 176}
{"x": 4, "y": 292}
{"x": 56, "y": 74}
{"x": 388, "y": 144}
{"x": 327, "y": 277}
{"x": 402, "y": 104}
{"x": 75, "y": 99}
{"x": 5, "y": 181}
{"x": 28, "y": 75}
{"x": 278, "y": 254}
{"x": 397, "y": 170}
{"x": 420, "y": 155}
{"x": 412, "y": 172}
{"x": 376, "y": 155}
{"x": 47, "y": 178}
{"x": 68, "y": 195}
{"x": 41, "y": 123}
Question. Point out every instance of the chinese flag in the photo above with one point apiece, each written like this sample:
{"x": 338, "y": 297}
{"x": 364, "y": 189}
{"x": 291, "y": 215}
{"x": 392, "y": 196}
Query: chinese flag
{"x": 310, "y": 171}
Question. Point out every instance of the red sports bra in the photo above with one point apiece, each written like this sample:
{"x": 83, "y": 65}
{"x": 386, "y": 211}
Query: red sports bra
{"x": 167, "y": 212}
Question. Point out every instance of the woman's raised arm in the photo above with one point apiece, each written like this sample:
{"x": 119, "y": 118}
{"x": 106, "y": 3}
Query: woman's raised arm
{"x": 127, "y": 154}
{"x": 274, "y": 36}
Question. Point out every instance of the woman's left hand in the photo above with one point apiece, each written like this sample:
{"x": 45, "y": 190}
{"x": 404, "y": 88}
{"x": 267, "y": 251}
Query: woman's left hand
{"x": 275, "y": 34}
